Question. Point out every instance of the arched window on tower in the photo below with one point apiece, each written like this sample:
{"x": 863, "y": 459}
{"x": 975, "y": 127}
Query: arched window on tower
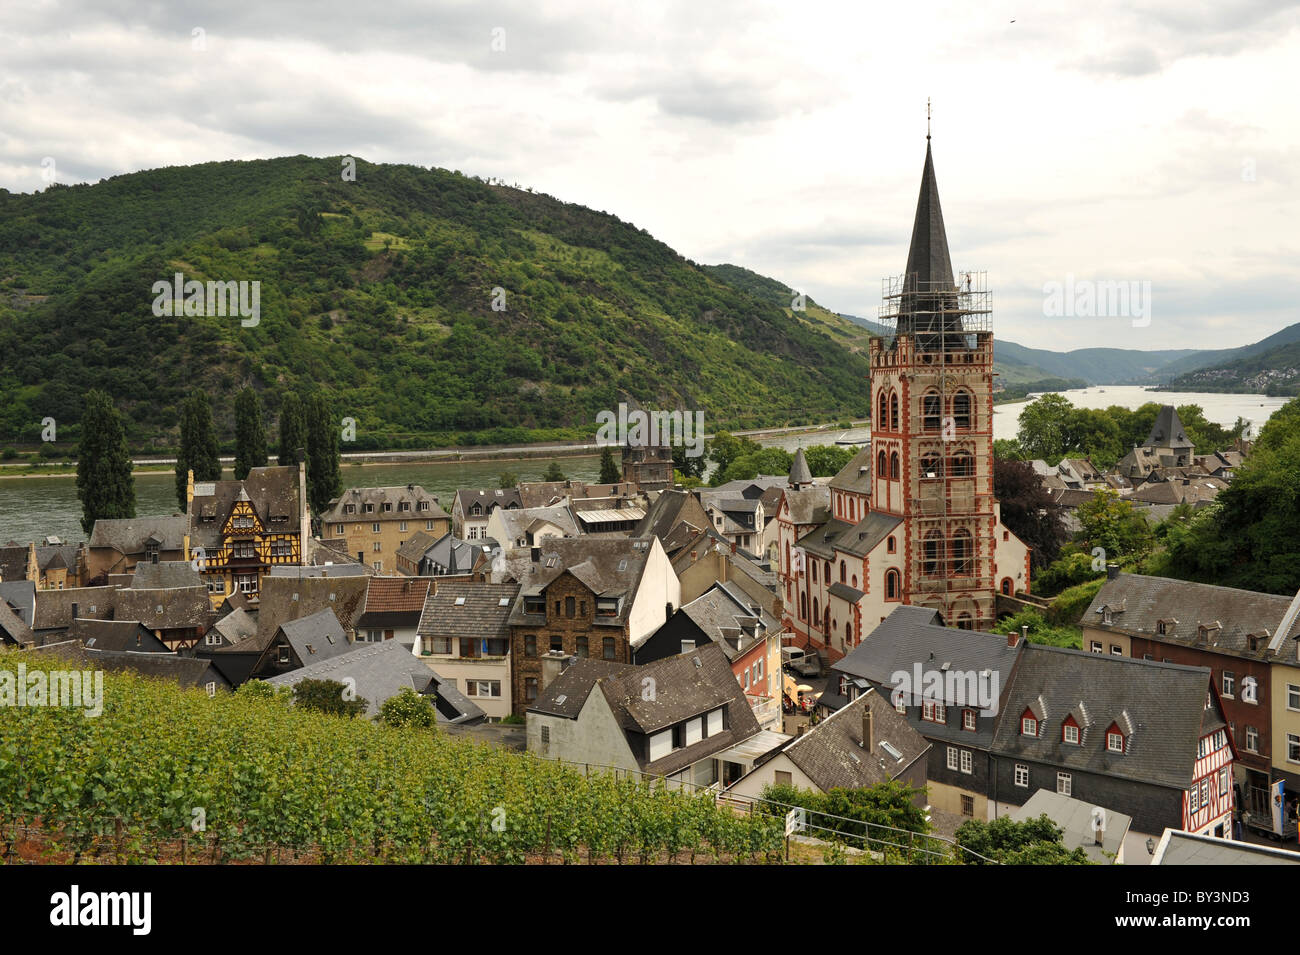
{"x": 816, "y": 613}
{"x": 803, "y": 606}
{"x": 893, "y": 466}
{"x": 931, "y": 411}
{"x": 882, "y": 417}
{"x": 882, "y": 465}
{"x": 932, "y": 555}
{"x": 931, "y": 465}
{"x": 963, "y": 560}
{"x": 893, "y": 412}
{"x": 961, "y": 405}
{"x": 963, "y": 464}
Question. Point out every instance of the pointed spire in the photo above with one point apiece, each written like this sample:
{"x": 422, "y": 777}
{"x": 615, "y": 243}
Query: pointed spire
{"x": 929, "y": 301}
{"x": 800, "y": 474}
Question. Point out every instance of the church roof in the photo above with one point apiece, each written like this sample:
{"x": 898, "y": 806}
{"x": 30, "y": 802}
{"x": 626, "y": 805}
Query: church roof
{"x": 799, "y": 470}
{"x": 1167, "y": 432}
{"x": 928, "y": 261}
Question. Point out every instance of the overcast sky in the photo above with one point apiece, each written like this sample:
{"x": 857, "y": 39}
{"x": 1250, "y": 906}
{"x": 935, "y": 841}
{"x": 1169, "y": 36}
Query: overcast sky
{"x": 1108, "y": 141}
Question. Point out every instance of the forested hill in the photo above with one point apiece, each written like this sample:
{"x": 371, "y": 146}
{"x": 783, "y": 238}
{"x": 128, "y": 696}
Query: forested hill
{"x": 381, "y": 291}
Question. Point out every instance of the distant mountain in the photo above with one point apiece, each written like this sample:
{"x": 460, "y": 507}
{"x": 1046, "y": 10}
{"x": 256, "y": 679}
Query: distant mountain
{"x": 1270, "y": 366}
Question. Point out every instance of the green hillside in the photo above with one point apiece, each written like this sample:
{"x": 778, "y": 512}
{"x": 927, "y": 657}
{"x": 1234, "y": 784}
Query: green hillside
{"x": 380, "y": 291}
{"x": 1270, "y": 366}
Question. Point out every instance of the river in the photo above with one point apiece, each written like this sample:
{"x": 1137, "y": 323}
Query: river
{"x": 33, "y": 507}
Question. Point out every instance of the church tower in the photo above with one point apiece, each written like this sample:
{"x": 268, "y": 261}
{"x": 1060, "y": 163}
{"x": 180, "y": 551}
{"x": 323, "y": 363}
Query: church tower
{"x": 932, "y": 423}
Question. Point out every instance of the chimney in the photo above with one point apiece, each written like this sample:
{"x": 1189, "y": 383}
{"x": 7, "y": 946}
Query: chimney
{"x": 1013, "y": 638}
{"x": 695, "y": 555}
{"x": 668, "y": 610}
{"x": 304, "y": 515}
{"x": 1024, "y": 632}
{"x": 75, "y": 607}
{"x": 1112, "y": 571}
{"x": 868, "y": 741}
{"x": 536, "y": 553}
{"x": 733, "y": 547}
{"x": 1099, "y": 828}
{"x": 554, "y": 662}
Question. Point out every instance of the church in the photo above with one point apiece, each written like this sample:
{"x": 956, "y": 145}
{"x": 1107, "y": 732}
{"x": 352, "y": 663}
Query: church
{"x": 911, "y": 518}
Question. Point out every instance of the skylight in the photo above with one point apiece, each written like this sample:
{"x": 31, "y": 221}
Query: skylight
{"x": 889, "y": 748}
{"x": 460, "y": 601}
{"x": 503, "y": 602}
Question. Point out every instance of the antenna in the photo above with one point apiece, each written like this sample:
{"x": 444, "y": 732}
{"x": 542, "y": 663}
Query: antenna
{"x": 927, "y": 118}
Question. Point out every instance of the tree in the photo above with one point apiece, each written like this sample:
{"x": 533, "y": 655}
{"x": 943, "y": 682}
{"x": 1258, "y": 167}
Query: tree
{"x": 689, "y": 467}
{"x": 408, "y": 708}
{"x": 198, "y": 451}
{"x": 1028, "y": 510}
{"x": 104, "y": 482}
{"x": 609, "y": 470}
{"x": 553, "y": 472}
{"x": 328, "y": 696}
{"x": 1044, "y": 426}
{"x": 507, "y": 479}
{"x": 1110, "y": 522}
{"x": 250, "y": 435}
{"x": 1032, "y": 842}
{"x": 827, "y": 460}
{"x": 324, "y": 476}
{"x": 293, "y": 429}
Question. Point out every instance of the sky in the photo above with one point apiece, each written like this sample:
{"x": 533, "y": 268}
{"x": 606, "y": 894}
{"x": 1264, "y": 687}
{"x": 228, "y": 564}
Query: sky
{"x": 1148, "y": 143}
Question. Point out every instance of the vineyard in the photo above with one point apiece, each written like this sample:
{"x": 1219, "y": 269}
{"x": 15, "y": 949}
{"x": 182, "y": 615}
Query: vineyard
{"x": 172, "y": 775}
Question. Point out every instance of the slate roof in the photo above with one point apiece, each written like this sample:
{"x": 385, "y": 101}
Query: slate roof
{"x": 382, "y": 670}
{"x": 453, "y": 556}
{"x": 543, "y": 493}
{"x": 487, "y": 498}
{"x": 517, "y": 524}
{"x": 730, "y": 619}
{"x": 273, "y": 492}
{"x": 1162, "y": 707}
{"x": 165, "y": 574}
{"x": 317, "y": 637}
{"x": 174, "y": 608}
{"x": 288, "y": 598}
{"x": 1187, "y": 848}
{"x": 856, "y": 475}
{"x": 129, "y": 535}
{"x": 395, "y": 495}
{"x": 115, "y": 635}
{"x": 1139, "y": 602}
{"x": 416, "y": 545}
{"x": 671, "y": 510}
{"x": 21, "y": 595}
{"x": 12, "y": 626}
{"x": 481, "y": 616}
{"x": 191, "y": 672}
{"x": 596, "y": 561}
{"x": 566, "y": 695}
{"x": 809, "y": 505}
{"x": 1167, "y": 431}
{"x": 912, "y": 636}
{"x": 832, "y": 756}
{"x": 235, "y": 626}
{"x": 321, "y": 571}
{"x": 1075, "y": 819}
{"x": 13, "y": 562}
{"x": 799, "y": 471}
{"x": 53, "y": 608}
{"x": 683, "y": 688}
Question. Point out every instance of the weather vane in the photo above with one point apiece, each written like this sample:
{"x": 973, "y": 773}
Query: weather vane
{"x": 927, "y": 117}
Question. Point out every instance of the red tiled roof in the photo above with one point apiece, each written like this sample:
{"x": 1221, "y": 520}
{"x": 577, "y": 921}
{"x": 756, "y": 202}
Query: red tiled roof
{"x": 397, "y": 594}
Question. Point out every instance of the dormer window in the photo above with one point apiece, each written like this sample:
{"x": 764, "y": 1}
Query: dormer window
{"x": 1115, "y": 742}
{"x": 349, "y": 508}
{"x": 1165, "y": 627}
{"x": 370, "y": 508}
{"x": 386, "y": 507}
{"x": 934, "y": 712}
{"x": 1070, "y": 733}
{"x": 1106, "y": 616}
{"x": 606, "y": 606}
{"x": 404, "y": 505}
{"x": 1028, "y": 726}
{"x": 424, "y": 505}
{"x": 968, "y": 720}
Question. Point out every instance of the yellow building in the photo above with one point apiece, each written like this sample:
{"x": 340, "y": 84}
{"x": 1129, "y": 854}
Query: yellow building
{"x": 373, "y": 522}
{"x": 238, "y": 530}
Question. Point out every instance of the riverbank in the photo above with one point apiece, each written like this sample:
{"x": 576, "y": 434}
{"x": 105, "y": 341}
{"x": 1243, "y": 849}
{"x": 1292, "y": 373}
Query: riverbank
{"x": 502, "y": 453}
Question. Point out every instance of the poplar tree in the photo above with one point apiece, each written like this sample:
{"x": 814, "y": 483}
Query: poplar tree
{"x": 324, "y": 476}
{"x": 609, "y": 471}
{"x": 250, "y": 435}
{"x": 198, "y": 452}
{"x": 293, "y": 431}
{"x": 104, "y": 482}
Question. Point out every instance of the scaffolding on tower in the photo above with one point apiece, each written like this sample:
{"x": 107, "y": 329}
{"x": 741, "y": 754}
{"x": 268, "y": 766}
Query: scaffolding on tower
{"x": 938, "y": 335}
